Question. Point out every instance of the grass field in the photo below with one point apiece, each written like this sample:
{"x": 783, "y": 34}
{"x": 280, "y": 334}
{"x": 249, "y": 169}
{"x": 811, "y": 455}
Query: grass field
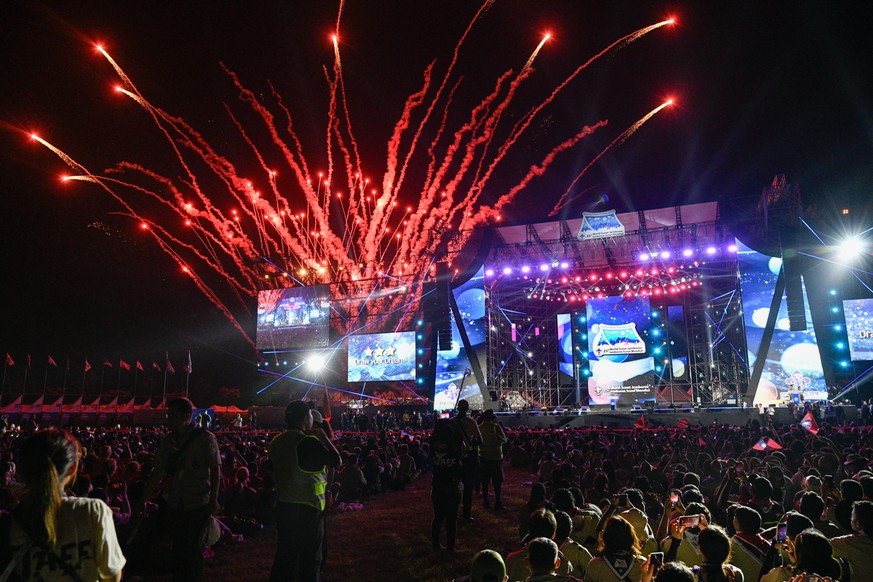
{"x": 388, "y": 540}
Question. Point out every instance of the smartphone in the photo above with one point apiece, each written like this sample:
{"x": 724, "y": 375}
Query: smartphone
{"x": 674, "y": 498}
{"x": 657, "y": 559}
{"x": 781, "y": 532}
{"x": 813, "y": 578}
{"x": 622, "y": 499}
{"x": 689, "y": 520}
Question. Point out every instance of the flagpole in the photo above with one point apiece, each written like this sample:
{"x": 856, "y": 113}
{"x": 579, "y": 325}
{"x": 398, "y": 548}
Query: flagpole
{"x": 66, "y": 369}
{"x": 3, "y": 386}
{"x": 118, "y": 385}
{"x": 24, "y": 389}
{"x": 45, "y": 380}
{"x": 164, "y": 395}
{"x": 187, "y": 373}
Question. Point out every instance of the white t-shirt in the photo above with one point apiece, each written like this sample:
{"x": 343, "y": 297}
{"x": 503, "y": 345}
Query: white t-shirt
{"x": 86, "y": 541}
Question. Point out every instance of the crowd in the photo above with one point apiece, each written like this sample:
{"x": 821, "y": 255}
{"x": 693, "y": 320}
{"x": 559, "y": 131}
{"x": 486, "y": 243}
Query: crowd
{"x": 715, "y": 503}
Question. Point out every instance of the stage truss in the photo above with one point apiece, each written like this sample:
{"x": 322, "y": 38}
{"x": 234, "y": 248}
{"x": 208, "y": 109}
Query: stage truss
{"x": 678, "y": 257}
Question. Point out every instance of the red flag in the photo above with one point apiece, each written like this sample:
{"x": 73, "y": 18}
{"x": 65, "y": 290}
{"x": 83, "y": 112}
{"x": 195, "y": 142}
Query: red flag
{"x": 52, "y": 362}
{"x": 809, "y": 423}
{"x": 155, "y": 366}
{"x": 106, "y": 362}
{"x": 682, "y": 423}
{"x": 701, "y": 442}
{"x": 642, "y": 422}
{"x": 139, "y": 366}
{"x": 188, "y": 367}
{"x": 766, "y": 444}
{"x": 87, "y": 365}
{"x": 9, "y": 360}
{"x": 123, "y": 365}
{"x": 170, "y": 368}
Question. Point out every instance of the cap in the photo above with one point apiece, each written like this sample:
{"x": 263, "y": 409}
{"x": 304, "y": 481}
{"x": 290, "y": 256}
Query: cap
{"x": 296, "y": 411}
{"x": 487, "y": 566}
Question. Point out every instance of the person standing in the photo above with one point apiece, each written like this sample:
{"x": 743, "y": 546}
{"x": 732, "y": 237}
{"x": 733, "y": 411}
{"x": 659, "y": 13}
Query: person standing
{"x": 470, "y": 463}
{"x": 491, "y": 458}
{"x": 52, "y": 536}
{"x": 189, "y": 463}
{"x": 446, "y": 452}
{"x": 300, "y": 456}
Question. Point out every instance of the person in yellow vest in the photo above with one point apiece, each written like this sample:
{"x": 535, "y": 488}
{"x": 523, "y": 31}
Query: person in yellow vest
{"x": 300, "y": 456}
{"x": 491, "y": 457}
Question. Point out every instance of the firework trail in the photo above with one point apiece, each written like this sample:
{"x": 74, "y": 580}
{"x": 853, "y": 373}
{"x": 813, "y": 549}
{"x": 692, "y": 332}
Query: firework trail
{"x": 565, "y": 198}
{"x": 216, "y": 222}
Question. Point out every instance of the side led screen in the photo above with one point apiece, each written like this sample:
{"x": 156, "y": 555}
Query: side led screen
{"x": 297, "y": 317}
{"x": 382, "y": 357}
{"x": 859, "y": 327}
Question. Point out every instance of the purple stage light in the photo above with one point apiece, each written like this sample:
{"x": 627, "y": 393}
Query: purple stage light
{"x": 665, "y": 254}
{"x": 732, "y": 248}
{"x": 711, "y": 250}
{"x": 687, "y": 253}
{"x": 544, "y": 267}
{"x": 507, "y": 270}
{"x": 489, "y": 272}
{"x": 525, "y": 269}
{"x": 644, "y": 256}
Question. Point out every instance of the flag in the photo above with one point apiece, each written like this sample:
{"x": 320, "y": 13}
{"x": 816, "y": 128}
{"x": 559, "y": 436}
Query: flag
{"x": 87, "y": 365}
{"x": 642, "y": 422}
{"x": 766, "y": 444}
{"x": 155, "y": 366}
{"x": 9, "y": 360}
{"x": 123, "y": 365}
{"x": 188, "y": 367}
{"x": 809, "y": 423}
{"x": 170, "y": 368}
{"x": 682, "y": 423}
{"x": 106, "y": 362}
{"x": 139, "y": 366}
{"x": 52, "y": 362}
{"x": 701, "y": 442}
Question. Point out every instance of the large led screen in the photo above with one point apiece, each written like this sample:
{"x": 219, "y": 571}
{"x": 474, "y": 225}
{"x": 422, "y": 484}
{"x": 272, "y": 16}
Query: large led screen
{"x": 451, "y": 364}
{"x": 792, "y": 364}
{"x": 621, "y": 368}
{"x": 382, "y": 357}
{"x": 296, "y": 317}
{"x": 565, "y": 348}
{"x": 859, "y": 327}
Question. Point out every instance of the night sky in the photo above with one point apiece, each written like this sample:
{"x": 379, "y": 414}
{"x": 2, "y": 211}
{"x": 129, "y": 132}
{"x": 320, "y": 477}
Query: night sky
{"x": 762, "y": 88}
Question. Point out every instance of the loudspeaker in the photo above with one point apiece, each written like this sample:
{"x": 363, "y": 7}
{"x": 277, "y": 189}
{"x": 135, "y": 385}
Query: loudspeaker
{"x": 441, "y": 311}
{"x": 793, "y": 266}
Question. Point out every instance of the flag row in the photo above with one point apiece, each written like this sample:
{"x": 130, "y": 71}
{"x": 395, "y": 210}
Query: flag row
{"x": 77, "y": 407}
{"x": 122, "y": 364}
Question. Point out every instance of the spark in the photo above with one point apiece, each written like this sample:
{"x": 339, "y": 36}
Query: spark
{"x": 224, "y": 222}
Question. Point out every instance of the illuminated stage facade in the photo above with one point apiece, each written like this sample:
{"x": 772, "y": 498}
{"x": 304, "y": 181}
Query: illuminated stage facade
{"x": 663, "y": 308}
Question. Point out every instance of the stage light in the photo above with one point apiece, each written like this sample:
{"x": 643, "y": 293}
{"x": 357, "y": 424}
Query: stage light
{"x": 565, "y": 265}
{"x": 592, "y": 277}
{"x": 711, "y": 250}
{"x": 687, "y": 253}
{"x": 525, "y": 269}
{"x": 316, "y": 363}
{"x": 489, "y": 273}
{"x": 844, "y": 364}
{"x": 732, "y": 248}
{"x": 266, "y": 364}
{"x": 419, "y": 337}
{"x": 644, "y": 256}
{"x": 851, "y": 248}
{"x": 419, "y": 323}
{"x": 833, "y": 291}
{"x": 609, "y": 276}
{"x": 507, "y": 270}
{"x": 665, "y": 254}
{"x": 835, "y": 309}
{"x": 622, "y": 275}
{"x": 840, "y": 345}
{"x": 544, "y": 267}
{"x": 838, "y": 327}
{"x": 639, "y": 273}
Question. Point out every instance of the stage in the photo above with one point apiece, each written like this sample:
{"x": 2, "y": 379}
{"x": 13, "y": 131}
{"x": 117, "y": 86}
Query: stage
{"x": 656, "y": 418}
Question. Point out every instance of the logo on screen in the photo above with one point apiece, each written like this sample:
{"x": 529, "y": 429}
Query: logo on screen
{"x": 618, "y": 339}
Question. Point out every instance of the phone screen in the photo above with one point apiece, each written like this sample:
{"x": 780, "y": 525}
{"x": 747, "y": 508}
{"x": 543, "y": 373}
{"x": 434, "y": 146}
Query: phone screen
{"x": 657, "y": 559}
{"x": 781, "y": 532}
{"x": 674, "y": 498}
{"x": 690, "y": 520}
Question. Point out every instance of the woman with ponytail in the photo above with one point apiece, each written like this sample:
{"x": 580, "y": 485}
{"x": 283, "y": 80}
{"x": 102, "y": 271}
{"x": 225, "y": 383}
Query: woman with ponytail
{"x": 52, "y": 536}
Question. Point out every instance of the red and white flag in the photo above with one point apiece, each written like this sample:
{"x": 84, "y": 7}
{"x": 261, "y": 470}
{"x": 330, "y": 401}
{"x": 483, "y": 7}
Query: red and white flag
{"x": 682, "y": 423}
{"x": 170, "y": 368}
{"x": 123, "y": 365}
{"x": 9, "y": 360}
{"x": 52, "y": 362}
{"x": 87, "y": 365}
{"x": 809, "y": 423}
{"x": 766, "y": 444}
{"x": 641, "y": 422}
{"x": 139, "y": 366}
